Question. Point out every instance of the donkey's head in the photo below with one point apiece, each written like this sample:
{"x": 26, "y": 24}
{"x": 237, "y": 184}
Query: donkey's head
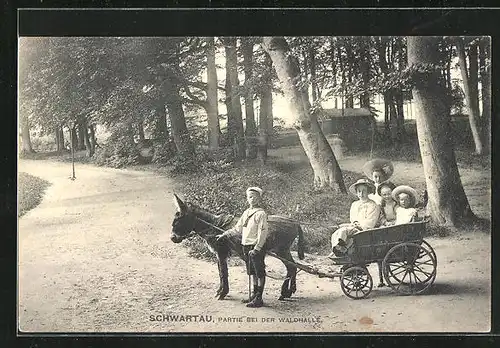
{"x": 184, "y": 221}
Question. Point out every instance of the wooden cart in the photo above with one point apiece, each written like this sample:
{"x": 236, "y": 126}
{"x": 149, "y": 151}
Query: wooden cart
{"x": 408, "y": 262}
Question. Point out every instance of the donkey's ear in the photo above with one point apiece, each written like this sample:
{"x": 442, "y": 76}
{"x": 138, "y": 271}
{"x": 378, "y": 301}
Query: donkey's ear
{"x": 180, "y": 205}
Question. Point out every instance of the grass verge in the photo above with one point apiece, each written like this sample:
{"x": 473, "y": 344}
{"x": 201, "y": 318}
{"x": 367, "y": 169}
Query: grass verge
{"x": 30, "y": 191}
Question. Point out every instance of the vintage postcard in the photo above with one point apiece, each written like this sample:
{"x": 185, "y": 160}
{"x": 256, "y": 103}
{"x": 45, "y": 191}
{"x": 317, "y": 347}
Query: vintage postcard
{"x": 253, "y": 184}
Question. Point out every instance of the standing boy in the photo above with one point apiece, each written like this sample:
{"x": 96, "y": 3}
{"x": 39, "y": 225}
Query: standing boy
{"x": 254, "y": 230}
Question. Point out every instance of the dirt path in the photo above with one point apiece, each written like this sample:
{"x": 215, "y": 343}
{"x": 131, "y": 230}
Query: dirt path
{"x": 95, "y": 256}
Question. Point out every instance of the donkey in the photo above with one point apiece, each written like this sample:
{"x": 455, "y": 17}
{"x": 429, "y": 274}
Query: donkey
{"x": 192, "y": 220}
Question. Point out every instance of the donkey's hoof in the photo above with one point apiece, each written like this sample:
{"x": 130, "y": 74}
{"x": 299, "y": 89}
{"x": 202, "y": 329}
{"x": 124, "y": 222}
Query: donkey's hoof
{"x": 281, "y": 298}
{"x": 381, "y": 285}
{"x": 221, "y": 296}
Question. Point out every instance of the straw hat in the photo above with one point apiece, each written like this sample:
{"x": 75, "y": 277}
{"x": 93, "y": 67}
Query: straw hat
{"x": 385, "y": 183}
{"x": 367, "y": 183}
{"x": 378, "y": 164}
{"x": 408, "y": 190}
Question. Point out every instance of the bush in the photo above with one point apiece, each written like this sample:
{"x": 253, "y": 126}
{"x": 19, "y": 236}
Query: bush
{"x": 205, "y": 160}
{"x": 163, "y": 151}
{"x": 117, "y": 153}
{"x": 179, "y": 165}
{"x": 30, "y": 192}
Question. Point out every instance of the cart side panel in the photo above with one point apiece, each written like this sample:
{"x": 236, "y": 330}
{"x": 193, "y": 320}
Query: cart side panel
{"x": 373, "y": 244}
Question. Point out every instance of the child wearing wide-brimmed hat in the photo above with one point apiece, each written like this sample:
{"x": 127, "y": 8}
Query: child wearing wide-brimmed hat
{"x": 406, "y": 198}
{"x": 378, "y": 170}
{"x": 364, "y": 214}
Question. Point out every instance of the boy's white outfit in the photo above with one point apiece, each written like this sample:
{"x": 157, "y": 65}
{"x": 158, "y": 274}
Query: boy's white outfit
{"x": 253, "y": 227}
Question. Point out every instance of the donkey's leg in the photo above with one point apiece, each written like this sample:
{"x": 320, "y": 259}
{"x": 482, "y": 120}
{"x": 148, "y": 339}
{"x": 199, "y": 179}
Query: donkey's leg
{"x": 223, "y": 272}
{"x": 289, "y": 284}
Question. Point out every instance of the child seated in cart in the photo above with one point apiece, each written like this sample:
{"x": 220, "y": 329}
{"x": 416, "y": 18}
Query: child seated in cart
{"x": 406, "y": 198}
{"x": 388, "y": 204}
{"x": 379, "y": 171}
{"x": 364, "y": 214}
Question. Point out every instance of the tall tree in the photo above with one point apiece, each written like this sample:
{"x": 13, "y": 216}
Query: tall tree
{"x": 266, "y": 108}
{"x": 27, "y": 147}
{"x": 311, "y": 55}
{"x": 485, "y": 59}
{"x": 326, "y": 169}
{"x": 180, "y": 132}
{"x": 247, "y": 45}
{"x": 212, "y": 100}
{"x": 235, "y": 121}
{"x": 469, "y": 78}
{"x": 447, "y": 204}
{"x": 365, "y": 71}
{"x": 349, "y": 103}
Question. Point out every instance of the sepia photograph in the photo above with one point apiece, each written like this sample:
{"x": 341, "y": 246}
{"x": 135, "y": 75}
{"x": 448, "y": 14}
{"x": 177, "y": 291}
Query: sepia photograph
{"x": 254, "y": 184}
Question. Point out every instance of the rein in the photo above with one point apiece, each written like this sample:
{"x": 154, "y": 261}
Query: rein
{"x": 209, "y": 224}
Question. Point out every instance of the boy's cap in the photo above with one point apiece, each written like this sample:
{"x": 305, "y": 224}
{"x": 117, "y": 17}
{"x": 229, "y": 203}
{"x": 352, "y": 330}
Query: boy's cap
{"x": 255, "y": 189}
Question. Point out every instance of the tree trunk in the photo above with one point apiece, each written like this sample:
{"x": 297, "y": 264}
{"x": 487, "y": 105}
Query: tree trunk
{"x": 342, "y": 74}
{"x": 60, "y": 146}
{"x": 264, "y": 115}
{"x": 237, "y": 139}
{"x": 472, "y": 102}
{"x": 447, "y": 204}
{"x": 334, "y": 69}
{"x": 231, "y": 127}
{"x": 180, "y": 133}
{"x": 350, "y": 71}
{"x": 212, "y": 99}
{"x": 58, "y": 140}
{"x": 88, "y": 145}
{"x": 81, "y": 139}
{"x": 267, "y": 95}
{"x": 161, "y": 130}
{"x": 486, "y": 92}
{"x": 140, "y": 131}
{"x": 400, "y": 116}
{"x": 319, "y": 152}
{"x": 364, "y": 100}
{"x": 312, "y": 69}
{"x": 74, "y": 137}
{"x": 27, "y": 147}
{"x": 393, "y": 119}
{"x": 93, "y": 140}
{"x": 266, "y": 111}
{"x": 251, "y": 128}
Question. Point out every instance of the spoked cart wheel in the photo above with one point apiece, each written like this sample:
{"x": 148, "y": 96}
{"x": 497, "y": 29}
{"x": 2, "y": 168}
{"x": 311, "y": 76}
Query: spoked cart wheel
{"x": 410, "y": 268}
{"x": 428, "y": 246}
{"x": 356, "y": 282}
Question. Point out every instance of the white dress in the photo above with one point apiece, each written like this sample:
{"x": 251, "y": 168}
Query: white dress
{"x": 374, "y": 196}
{"x": 366, "y": 213}
{"x": 404, "y": 215}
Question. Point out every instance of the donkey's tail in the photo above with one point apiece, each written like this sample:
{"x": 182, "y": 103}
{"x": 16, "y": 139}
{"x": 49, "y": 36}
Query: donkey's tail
{"x": 301, "y": 243}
